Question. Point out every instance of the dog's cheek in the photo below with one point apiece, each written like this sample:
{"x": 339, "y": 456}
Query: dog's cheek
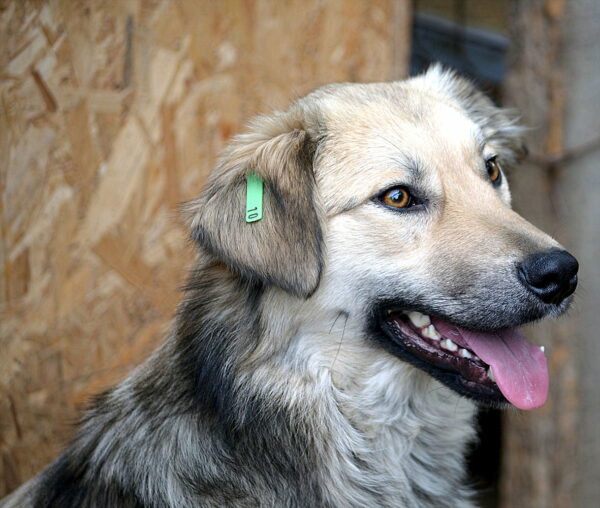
{"x": 370, "y": 259}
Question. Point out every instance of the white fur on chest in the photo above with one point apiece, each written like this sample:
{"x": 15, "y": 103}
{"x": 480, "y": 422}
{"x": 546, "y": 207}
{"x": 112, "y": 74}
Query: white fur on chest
{"x": 390, "y": 434}
{"x": 410, "y": 434}
{"x": 395, "y": 436}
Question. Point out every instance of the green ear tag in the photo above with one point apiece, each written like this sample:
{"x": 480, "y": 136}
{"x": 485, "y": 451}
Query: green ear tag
{"x": 254, "y": 197}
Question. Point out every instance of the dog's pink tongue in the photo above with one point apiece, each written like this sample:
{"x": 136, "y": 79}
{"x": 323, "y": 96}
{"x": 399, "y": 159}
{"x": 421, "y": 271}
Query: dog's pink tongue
{"x": 519, "y": 367}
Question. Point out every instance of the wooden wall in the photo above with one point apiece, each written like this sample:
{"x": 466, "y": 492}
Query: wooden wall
{"x": 551, "y": 457}
{"x": 111, "y": 114}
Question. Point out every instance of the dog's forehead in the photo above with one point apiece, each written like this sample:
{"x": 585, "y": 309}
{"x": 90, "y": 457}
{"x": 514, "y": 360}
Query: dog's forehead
{"x": 382, "y": 139}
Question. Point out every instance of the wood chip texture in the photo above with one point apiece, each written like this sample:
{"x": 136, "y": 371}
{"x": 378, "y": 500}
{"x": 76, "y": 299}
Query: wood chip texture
{"x": 111, "y": 114}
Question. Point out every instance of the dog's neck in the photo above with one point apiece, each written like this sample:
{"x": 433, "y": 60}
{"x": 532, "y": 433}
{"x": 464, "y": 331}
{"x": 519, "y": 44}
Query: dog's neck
{"x": 394, "y": 435}
{"x": 308, "y": 413}
{"x": 411, "y": 434}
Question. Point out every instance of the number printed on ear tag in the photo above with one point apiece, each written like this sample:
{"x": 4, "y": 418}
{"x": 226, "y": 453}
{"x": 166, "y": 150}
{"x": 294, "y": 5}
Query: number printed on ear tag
{"x": 254, "y": 197}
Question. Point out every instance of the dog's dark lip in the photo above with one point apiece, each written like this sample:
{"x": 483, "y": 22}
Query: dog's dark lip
{"x": 466, "y": 376}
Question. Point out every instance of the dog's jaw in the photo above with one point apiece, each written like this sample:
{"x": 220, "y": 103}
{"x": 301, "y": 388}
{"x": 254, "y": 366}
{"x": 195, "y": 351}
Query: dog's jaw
{"x": 440, "y": 351}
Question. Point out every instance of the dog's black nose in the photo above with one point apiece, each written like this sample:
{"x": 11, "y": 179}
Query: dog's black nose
{"x": 551, "y": 275}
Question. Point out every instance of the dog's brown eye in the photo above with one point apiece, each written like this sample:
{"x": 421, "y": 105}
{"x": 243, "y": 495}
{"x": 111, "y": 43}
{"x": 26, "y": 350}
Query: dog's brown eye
{"x": 398, "y": 197}
{"x": 493, "y": 169}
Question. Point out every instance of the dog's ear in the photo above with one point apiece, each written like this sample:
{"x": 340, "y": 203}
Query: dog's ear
{"x": 284, "y": 248}
{"x": 499, "y": 125}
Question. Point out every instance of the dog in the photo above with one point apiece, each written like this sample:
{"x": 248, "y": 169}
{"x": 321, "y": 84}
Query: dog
{"x": 334, "y": 352}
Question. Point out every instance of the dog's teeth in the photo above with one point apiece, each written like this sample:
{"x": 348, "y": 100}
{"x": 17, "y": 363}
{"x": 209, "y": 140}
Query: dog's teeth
{"x": 449, "y": 345}
{"x": 431, "y": 333}
{"x": 490, "y": 374}
{"x": 543, "y": 349}
{"x": 465, "y": 354}
{"x": 418, "y": 319}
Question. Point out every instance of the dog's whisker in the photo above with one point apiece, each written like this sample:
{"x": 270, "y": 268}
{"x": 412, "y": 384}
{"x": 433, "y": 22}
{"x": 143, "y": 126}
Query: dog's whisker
{"x": 335, "y": 320}
{"x": 346, "y": 315}
{"x": 433, "y": 390}
{"x": 389, "y": 142}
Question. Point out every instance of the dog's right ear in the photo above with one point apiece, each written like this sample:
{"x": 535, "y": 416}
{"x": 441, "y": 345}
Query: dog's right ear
{"x": 285, "y": 247}
{"x": 499, "y": 126}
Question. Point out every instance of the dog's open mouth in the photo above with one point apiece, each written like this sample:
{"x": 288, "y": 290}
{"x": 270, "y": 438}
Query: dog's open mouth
{"x": 492, "y": 367}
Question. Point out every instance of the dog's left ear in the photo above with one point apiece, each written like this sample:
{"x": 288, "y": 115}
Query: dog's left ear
{"x": 284, "y": 248}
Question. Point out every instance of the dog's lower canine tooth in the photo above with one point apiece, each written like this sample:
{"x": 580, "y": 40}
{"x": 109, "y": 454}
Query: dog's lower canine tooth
{"x": 431, "y": 333}
{"x": 465, "y": 354}
{"x": 490, "y": 374}
{"x": 418, "y": 319}
{"x": 543, "y": 349}
{"x": 449, "y": 345}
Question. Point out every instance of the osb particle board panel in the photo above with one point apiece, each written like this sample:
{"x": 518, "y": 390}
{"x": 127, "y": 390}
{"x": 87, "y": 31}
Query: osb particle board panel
{"x": 112, "y": 113}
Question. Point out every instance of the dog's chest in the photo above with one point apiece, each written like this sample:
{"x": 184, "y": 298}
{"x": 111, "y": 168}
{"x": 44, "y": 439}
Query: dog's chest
{"x": 407, "y": 451}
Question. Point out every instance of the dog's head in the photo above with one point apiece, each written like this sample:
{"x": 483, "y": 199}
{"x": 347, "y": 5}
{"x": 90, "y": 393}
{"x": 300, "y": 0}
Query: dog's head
{"x": 390, "y": 201}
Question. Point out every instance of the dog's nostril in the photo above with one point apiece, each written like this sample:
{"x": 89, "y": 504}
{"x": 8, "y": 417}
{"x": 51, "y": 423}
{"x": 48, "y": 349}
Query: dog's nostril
{"x": 551, "y": 275}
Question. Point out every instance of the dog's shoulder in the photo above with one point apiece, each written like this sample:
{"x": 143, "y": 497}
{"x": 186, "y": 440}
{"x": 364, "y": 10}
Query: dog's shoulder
{"x": 65, "y": 484}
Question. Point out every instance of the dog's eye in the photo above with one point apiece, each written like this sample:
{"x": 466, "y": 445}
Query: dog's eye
{"x": 493, "y": 169}
{"x": 397, "y": 197}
